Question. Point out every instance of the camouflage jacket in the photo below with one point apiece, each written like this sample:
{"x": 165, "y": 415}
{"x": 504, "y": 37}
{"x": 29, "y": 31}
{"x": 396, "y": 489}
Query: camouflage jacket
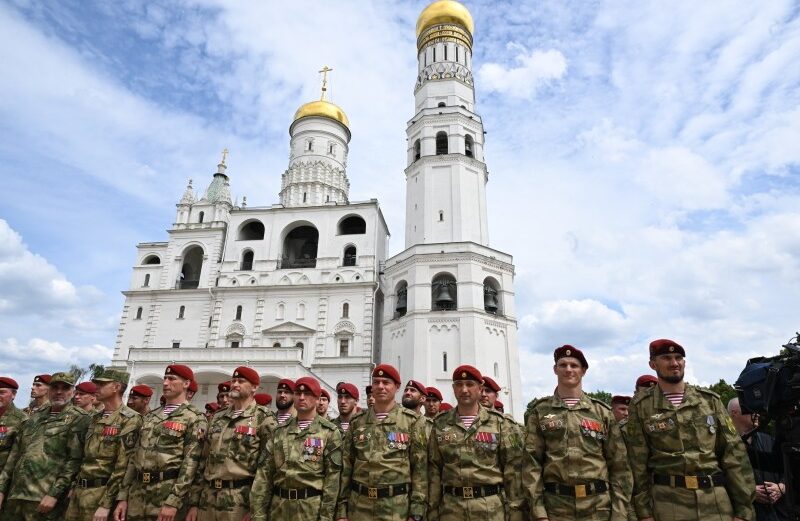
{"x": 30, "y": 410}
{"x": 573, "y": 445}
{"x": 233, "y": 444}
{"x": 695, "y": 438}
{"x": 338, "y": 422}
{"x": 10, "y": 423}
{"x": 168, "y": 442}
{"x": 46, "y": 455}
{"x": 374, "y": 456}
{"x": 295, "y": 459}
{"x": 109, "y": 443}
{"x": 490, "y": 452}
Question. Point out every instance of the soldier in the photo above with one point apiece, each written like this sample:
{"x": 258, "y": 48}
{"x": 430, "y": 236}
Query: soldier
{"x": 646, "y": 381}
{"x": 499, "y": 407}
{"x": 444, "y": 407}
{"x": 191, "y": 391}
{"x": 211, "y": 409}
{"x": 139, "y": 399}
{"x": 284, "y": 400}
{"x": 324, "y": 403}
{"x": 223, "y": 390}
{"x": 433, "y": 399}
{"x": 476, "y": 459}
{"x": 619, "y": 406}
{"x": 385, "y": 474}
{"x": 577, "y": 466}
{"x": 300, "y": 467}
{"x": 489, "y": 392}
{"x": 45, "y": 457}
{"x": 347, "y": 402}
{"x": 414, "y": 395}
{"x": 688, "y": 462}
{"x": 11, "y": 418}
{"x": 368, "y": 393}
{"x": 110, "y": 439}
{"x": 263, "y": 399}
{"x": 236, "y": 436}
{"x": 84, "y": 396}
{"x": 39, "y": 394}
{"x": 166, "y": 457}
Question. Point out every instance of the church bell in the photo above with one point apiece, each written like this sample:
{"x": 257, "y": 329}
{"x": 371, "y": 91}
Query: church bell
{"x": 490, "y": 299}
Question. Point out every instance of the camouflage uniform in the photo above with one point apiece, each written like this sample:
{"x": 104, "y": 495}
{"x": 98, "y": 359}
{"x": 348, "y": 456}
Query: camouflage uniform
{"x": 572, "y": 450}
{"x": 488, "y": 455}
{"x": 10, "y": 423}
{"x": 43, "y": 461}
{"x": 30, "y": 410}
{"x": 164, "y": 462}
{"x": 697, "y": 438}
{"x": 631, "y": 510}
{"x": 109, "y": 443}
{"x": 229, "y": 458}
{"x": 378, "y": 454}
{"x": 293, "y": 463}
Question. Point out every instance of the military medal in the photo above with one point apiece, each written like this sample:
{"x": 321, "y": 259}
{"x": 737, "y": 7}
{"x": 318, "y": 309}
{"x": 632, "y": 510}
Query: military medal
{"x": 110, "y": 431}
{"x": 3, "y": 431}
{"x": 711, "y": 424}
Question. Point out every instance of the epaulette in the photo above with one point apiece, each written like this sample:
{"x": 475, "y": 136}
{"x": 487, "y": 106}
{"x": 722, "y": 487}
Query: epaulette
{"x": 600, "y": 402}
{"x": 195, "y": 410}
{"x": 705, "y": 391}
{"x": 641, "y": 395}
{"x": 409, "y": 412}
{"x": 495, "y": 412}
{"x": 511, "y": 419}
{"x": 325, "y": 422}
{"x": 541, "y": 400}
{"x": 127, "y": 411}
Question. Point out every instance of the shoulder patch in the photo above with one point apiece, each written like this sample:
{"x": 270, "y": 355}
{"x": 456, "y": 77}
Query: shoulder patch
{"x": 600, "y": 402}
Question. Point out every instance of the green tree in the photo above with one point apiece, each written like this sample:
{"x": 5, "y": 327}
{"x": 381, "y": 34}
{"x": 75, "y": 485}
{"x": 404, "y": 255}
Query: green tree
{"x": 603, "y": 396}
{"x": 724, "y": 390}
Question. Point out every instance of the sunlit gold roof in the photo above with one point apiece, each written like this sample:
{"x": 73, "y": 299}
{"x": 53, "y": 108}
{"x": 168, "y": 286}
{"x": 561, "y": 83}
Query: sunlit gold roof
{"x": 445, "y": 11}
{"x": 322, "y": 109}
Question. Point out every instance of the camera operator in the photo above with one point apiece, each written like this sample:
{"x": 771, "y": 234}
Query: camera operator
{"x": 767, "y": 465}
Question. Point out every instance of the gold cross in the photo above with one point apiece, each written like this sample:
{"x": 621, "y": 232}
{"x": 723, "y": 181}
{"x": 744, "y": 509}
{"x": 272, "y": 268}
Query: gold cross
{"x": 325, "y": 70}
{"x": 224, "y": 155}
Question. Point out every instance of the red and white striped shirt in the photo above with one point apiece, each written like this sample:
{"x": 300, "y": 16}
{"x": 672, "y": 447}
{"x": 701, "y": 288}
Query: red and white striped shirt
{"x": 468, "y": 420}
{"x": 675, "y": 398}
{"x": 283, "y": 417}
{"x": 170, "y": 408}
{"x": 303, "y": 424}
{"x": 570, "y": 402}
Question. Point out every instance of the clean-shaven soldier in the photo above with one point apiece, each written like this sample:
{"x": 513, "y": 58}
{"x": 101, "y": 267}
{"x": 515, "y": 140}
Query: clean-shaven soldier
{"x": 688, "y": 461}
{"x": 40, "y": 389}
{"x": 347, "y": 401}
{"x": 139, "y": 399}
{"x": 11, "y": 418}
{"x": 324, "y": 403}
{"x": 433, "y": 399}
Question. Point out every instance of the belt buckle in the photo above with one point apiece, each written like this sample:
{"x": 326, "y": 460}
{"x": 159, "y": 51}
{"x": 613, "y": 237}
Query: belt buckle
{"x": 83, "y": 483}
{"x": 691, "y": 482}
{"x": 467, "y": 493}
{"x": 292, "y": 493}
{"x": 372, "y": 492}
{"x": 580, "y": 490}
{"x": 217, "y": 483}
{"x": 145, "y": 477}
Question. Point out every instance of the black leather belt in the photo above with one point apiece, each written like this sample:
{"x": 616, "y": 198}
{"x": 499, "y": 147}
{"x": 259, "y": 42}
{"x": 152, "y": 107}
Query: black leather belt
{"x": 296, "y": 493}
{"x": 473, "y": 492}
{"x": 690, "y": 482}
{"x": 157, "y": 475}
{"x": 381, "y": 492}
{"x": 229, "y": 483}
{"x": 91, "y": 482}
{"x": 590, "y": 488}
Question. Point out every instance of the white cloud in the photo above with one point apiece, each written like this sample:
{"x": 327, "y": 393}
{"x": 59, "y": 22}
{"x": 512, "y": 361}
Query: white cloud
{"x": 578, "y": 322}
{"x": 534, "y": 70}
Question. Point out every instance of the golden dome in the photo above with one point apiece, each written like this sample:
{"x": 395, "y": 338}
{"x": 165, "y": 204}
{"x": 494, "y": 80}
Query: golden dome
{"x": 445, "y": 11}
{"x": 322, "y": 109}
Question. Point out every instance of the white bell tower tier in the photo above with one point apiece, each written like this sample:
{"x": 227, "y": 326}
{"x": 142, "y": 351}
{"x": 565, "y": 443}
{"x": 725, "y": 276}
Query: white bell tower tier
{"x": 451, "y": 296}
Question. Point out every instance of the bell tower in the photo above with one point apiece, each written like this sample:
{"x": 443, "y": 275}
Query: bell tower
{"x": 450, "y": 296}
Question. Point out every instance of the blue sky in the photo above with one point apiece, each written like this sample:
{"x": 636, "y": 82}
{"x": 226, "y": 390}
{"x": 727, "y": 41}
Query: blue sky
{"x": 644, "y": 159}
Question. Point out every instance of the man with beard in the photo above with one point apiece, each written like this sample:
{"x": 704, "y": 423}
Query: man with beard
{"x": 433, "y": 399}
{"x": 236, "y": 436}
{"x": 84, "y": 396}
{"x": 301, "y": 464}
{"x": 385, "y": 475}
{"x": 11, "y": 418}
{"x": 284, "y": 400}
{"x": 347, "y": 401}
{"x": 475, "y": 459}
{"x": 414, "y": 395}
{"x": 110, "y": 440}
{"x": 223, "y": 390}
{"x": 688, "y": 461}
{"x": 324, "y": 403}
{"x": 166, "y": 457}
{"x": 139, "y": 399}
{"x": 39, "y": 393}
{"x": 45, "y": 457}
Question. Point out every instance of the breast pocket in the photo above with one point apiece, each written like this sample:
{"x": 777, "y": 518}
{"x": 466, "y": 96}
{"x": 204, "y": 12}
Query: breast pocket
{"x": 554, "y": 432}
{"x": 663, "y": 432}
{"x": 362, "y": 448}
{"x": 705, "y": 427}
{"x": 169, "y": 438}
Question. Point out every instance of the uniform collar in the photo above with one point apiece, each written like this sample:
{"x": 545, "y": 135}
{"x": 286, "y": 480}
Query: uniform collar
{"x": 660, "y": 401}
{"x": 247, "y": 412}
{"x": 391, "y": 418}
{"x": 584, "y": 402}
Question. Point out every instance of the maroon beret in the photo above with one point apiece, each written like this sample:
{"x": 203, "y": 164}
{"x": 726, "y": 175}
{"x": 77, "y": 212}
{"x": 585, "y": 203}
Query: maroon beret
{"x": 8, "y": 383}
{"x": 498, "y": 406}
{"x": 285, "y": 384}
{"x": 307, "y": 384}
{"x": 42, "y": 379}
{"x": 467, "y": 372}
{"x": 445, "y": 407}
{"x": 646, "y": 380}
{"x": 624, "y": 400}
{"x": 572, "y": 352}
{"x": 325, "y": 393}
{"x": 212, "y": 407}
{"x": 248, "y": 374}
{"x": 665, "y": 346}
{"x": 86, "y": 387}
{"x": 433, "y": 392}
{"x": 417, "y": 385}
{"x": 224, "y": 387}
{"x": 387, "y": 371}
{"x": 491, "y": 384}
{"x": 142, "y": 390}
{"x": 345, "y": 388}
{"x": 193, "y": 386}
{"x": 263, "y": 399}
{"x": 182, "y": 371}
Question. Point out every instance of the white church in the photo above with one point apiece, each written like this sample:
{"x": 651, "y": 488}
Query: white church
{"x": 304, "y": 287}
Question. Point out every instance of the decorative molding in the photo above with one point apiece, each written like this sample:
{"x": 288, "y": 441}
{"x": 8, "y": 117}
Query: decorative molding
{"x": 236, "y": 329}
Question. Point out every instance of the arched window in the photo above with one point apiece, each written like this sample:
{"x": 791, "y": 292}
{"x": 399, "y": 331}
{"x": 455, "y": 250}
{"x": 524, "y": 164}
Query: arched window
{"x": 276, "y": 345}
{"x": 344, "y": 347}
{"x": 146, "y": 280}
{"x": 151, "y": 259}
{"x": 238, "y": 313}
{"x": 496, "y": 370}
{"x": 401, "y": 305}
{"x": 345, "y": 310}
{"x": 181, "y": 311}
{"x": 301, "y": 311}
{"x": 138, "y": 313}
{"x": 280, "y": 312}
{"x": 300, "y": 346}
{"x": 349, "y": 256}
{"x": 417, "y": 150}
{"x": 251, "y": 231}
{"x": 444, "y": 292}
{"x": 444, "y": 362}
{"x": 247, "y": 260}
{"x": 300, "y": 248}
{"x": 201, "y": 216}
{"x": 192, "y": 268}
{"x": 441, "y": 104}
{"x": 352, "y": 225}
{"x": 441, "y": 143}
{"x": 492, "y": 301}
{"x": 468, "y": 146}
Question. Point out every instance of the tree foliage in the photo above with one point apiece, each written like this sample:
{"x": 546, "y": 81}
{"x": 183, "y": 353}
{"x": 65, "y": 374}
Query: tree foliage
{"x": 724, "y": 390}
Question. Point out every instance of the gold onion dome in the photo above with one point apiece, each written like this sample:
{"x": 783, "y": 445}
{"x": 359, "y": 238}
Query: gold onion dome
{"x": 445, "y": 12}
{"x": 322, "y": 109}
